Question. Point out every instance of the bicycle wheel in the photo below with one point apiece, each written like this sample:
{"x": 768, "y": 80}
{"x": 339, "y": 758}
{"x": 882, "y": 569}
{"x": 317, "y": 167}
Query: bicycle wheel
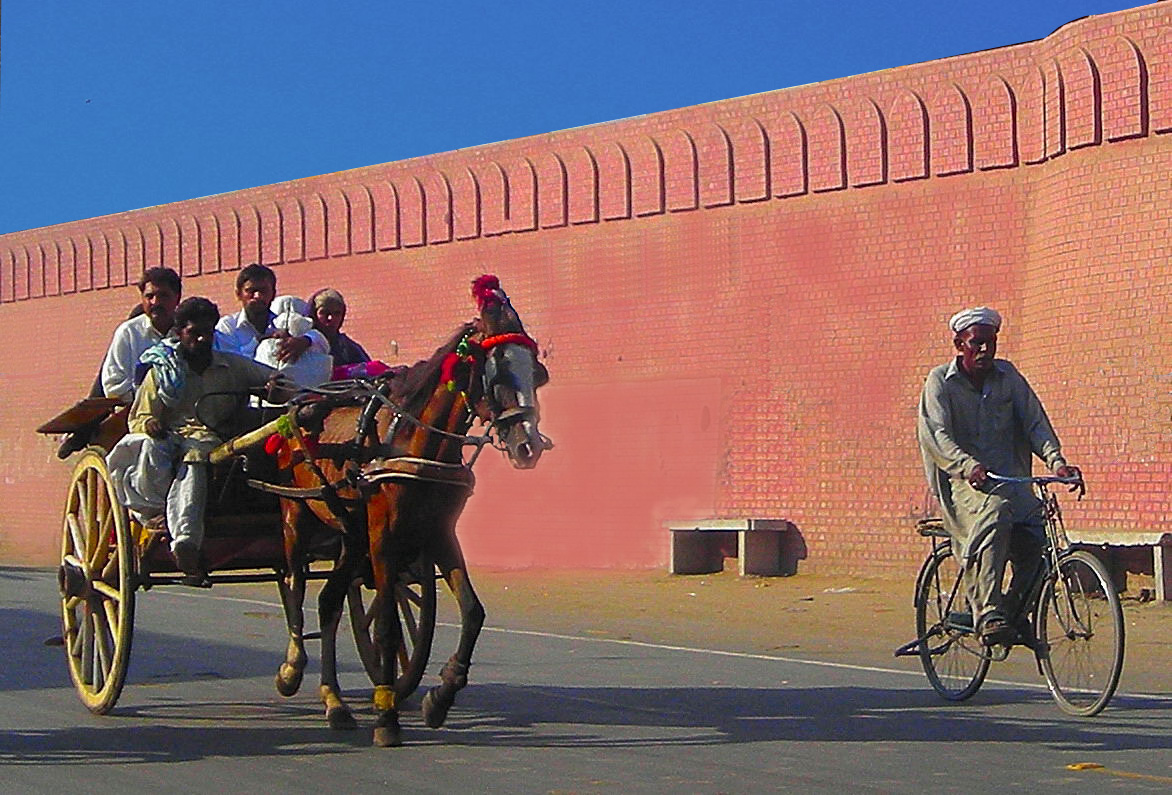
{"x": 953, "y": 658}
{"x": 1080, "y": 634}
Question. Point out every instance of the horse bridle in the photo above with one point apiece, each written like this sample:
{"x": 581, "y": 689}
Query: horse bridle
{"x": 499, "y": 416}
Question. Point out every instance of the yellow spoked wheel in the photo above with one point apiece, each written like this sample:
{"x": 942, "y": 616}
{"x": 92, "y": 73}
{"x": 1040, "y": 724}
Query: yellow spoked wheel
{"x": 97, "y": 584}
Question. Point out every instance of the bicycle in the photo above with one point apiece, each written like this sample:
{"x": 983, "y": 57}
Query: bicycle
{"x": 1070, "y": 617}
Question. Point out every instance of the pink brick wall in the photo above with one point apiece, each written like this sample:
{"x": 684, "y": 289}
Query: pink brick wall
{"x": 737, "y": 301}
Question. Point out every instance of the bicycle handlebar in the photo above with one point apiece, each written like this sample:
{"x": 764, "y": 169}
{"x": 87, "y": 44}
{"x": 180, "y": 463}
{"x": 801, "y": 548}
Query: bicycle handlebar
{"x": 1045, "y": 479}
{"x": 1076, "y": 483}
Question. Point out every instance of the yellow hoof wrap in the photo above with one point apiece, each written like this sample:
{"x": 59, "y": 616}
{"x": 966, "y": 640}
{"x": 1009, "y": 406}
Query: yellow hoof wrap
{"x": 329, "y": 697}
{"x": 384, "y": 698}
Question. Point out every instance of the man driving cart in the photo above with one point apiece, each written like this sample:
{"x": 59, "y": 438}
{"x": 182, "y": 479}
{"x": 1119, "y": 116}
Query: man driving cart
{"x": 189, "y": 401}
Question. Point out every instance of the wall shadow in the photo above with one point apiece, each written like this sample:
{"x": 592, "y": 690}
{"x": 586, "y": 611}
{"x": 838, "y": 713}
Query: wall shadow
{"x": 533, "y": 716}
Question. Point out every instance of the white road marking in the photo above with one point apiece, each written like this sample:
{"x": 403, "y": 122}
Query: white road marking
{"x": 686, "y": 649}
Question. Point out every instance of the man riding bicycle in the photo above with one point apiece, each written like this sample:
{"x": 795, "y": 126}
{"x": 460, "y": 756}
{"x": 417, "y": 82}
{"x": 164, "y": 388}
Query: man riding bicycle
{"x": 977, "y": 415}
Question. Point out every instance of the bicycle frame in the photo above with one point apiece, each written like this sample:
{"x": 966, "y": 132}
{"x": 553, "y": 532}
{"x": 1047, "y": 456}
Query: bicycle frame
{"x": 1070, "y": 616}
{"x": 1055, "y": 544}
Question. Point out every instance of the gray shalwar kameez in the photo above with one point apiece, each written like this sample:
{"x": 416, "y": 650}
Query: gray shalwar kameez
{"x": 998, "y": 426}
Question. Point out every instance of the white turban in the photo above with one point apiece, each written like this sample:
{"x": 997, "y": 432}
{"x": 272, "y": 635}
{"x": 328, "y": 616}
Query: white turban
{"x": 979, "y": 315}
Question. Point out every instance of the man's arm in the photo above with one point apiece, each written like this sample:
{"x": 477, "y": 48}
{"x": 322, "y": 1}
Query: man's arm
{"x": 290, "y": 349}
{"x": 119, "y": 364}
{"x": 146, "y": 413}
{"x": 255, "y": 375}
{"x": 227, "y": 339}
{"x": 1036, "y": 424}
{"x": 934, "y": 429}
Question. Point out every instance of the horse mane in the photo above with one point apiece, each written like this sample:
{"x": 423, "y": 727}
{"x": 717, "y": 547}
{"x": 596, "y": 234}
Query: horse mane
{"x": 412, "y": 388}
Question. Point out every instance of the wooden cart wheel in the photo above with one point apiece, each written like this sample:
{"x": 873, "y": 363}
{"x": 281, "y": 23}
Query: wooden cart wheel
{"x": 415, "y": 597}
{"x": 97, "y": 584}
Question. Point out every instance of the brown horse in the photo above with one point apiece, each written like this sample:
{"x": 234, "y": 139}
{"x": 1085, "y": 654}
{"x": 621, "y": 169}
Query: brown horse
{"x": 389, "y": 474}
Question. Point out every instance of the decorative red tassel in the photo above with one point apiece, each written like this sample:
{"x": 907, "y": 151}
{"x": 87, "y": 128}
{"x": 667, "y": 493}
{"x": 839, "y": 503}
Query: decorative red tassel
{"x": 448, "y": 371}
{"x": 486, "y": 290}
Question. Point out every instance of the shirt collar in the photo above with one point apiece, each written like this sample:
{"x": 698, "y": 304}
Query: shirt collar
{"x": 242, "y": 319}
{"x": 954, "y": 371}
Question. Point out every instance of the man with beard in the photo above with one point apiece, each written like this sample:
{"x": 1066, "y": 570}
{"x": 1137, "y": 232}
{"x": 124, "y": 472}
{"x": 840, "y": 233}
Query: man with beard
{"x": 979, "y": 415}
{"x": 186, "y": 404}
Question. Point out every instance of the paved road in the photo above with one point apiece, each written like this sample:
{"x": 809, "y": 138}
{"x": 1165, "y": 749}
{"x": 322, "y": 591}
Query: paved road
{"x": 544, "y": 713}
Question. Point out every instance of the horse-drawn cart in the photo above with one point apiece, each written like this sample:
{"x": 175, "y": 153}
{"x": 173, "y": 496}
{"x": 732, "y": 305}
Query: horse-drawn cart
{"x": 360, "y": 484}
{"x": 107, "y": 556}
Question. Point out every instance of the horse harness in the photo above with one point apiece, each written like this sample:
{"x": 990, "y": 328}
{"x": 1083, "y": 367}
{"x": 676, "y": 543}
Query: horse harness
{"x": 364, "y": 467}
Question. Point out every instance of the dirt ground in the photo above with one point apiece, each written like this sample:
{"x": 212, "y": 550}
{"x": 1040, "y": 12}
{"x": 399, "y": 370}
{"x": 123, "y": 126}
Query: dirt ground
{"x": 841, "y": 619}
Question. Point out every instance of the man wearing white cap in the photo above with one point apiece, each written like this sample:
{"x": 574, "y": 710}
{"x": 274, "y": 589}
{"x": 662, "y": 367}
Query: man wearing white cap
{"x": 979, "y": 415}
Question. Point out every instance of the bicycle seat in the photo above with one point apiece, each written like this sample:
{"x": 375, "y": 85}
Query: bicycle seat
{"x": 931, "y": 526}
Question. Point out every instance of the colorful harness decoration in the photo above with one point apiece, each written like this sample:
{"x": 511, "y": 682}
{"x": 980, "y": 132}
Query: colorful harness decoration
{"x": 509, "y": 339}
{"x": 463, "y": 353}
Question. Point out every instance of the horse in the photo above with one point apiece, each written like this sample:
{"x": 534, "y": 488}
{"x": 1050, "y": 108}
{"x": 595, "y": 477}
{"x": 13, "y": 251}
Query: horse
{"x": 388, "y": 474}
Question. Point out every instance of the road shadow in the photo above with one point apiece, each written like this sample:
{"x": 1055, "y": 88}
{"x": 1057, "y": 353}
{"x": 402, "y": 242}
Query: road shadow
{"x": 504, "y": 714}
{"x": 136, "y": 743}
{"x": 36, "y": 656}
{"x": 533, "y": 716}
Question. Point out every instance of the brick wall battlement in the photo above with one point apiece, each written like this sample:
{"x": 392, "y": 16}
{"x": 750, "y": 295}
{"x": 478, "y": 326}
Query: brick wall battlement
{"x": 737, "y": 301}
{"x": 1096, "y": 81}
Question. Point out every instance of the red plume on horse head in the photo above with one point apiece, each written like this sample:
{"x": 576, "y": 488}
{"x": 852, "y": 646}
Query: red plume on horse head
{"x": 487, "y": 290}
{"x": 496, "y": 311}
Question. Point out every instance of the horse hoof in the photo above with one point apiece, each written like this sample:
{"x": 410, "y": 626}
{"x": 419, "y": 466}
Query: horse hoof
{"x": 341, "y": 718}
{"x": 434, "y": 713}
{"x": 288, "y": 680}
{"x": 387, "y": 737}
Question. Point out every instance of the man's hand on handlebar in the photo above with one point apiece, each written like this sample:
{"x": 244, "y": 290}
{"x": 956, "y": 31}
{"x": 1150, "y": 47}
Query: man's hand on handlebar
{"x": 978, "y": 476}
{"x": 1068, "y": 471}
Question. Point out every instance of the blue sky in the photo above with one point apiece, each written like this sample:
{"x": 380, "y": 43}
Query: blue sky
{"x": 108, "y": 106}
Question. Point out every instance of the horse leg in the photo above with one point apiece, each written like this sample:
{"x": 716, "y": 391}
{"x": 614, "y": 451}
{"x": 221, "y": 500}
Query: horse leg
{"x": 292, "y": 587}
{"x": 388, "y": 636}
{"x": 454, "y": 675}
{"x": 329, "y": 605}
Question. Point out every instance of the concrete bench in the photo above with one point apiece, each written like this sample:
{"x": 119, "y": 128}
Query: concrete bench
{"x": 766, "y": 547}
{"x": 1113, "y": 548}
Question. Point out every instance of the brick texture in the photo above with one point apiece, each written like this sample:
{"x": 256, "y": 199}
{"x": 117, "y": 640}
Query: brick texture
{"x": 737, "y": 301}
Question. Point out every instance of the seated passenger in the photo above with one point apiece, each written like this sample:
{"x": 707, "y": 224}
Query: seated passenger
{"x": 161, "y": 290}
{"x": 328, "y": 310}
{"x": 256, "y": 286}
{"x": 150, "y": 320}
{"x": 292, "y": 316}
{"x": 350, "y": 359}
{"x": 160, "y": 469}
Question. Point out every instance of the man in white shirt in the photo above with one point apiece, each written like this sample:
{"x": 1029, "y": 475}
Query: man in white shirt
{"x": 161, "y": 290}
{"x": 256, "y": 286}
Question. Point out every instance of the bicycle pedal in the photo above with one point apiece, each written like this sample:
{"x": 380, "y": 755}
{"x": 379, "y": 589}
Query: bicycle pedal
{"x": 998, "y": 652}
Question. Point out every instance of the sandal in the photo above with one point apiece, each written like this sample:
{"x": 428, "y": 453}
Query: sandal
{"x": 995, "y": 630}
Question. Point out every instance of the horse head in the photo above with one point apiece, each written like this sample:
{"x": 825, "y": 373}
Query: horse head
{"x": 512, "y": 375}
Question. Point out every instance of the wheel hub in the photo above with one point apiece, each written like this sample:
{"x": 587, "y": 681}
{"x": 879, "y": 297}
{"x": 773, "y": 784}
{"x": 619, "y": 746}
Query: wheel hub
{"x": 71, "y": 580}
